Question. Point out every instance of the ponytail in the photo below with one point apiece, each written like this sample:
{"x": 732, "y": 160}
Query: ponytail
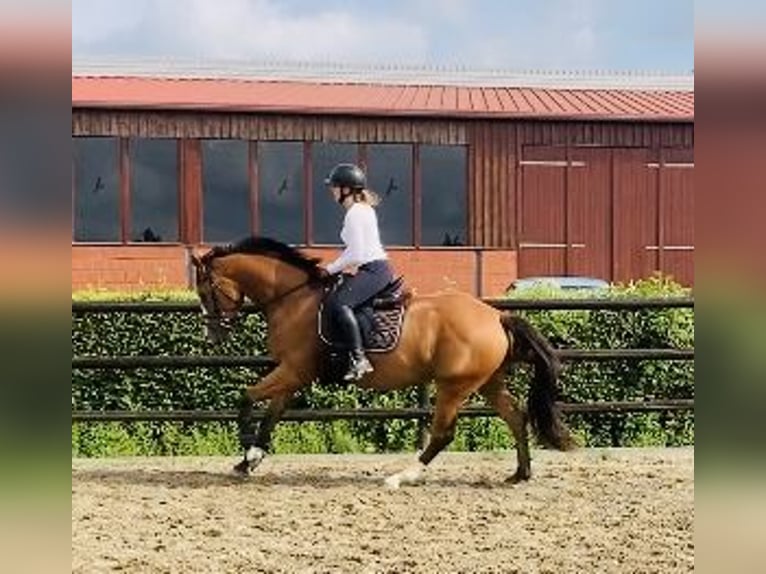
{"x": 360, "y": 195}
{"x": 369, "y": 197}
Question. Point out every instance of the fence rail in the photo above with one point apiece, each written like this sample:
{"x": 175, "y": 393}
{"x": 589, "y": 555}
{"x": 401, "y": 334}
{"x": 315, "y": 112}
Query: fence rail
{"x": 366, "y": 413}
{"x": 186, "y": 361}
{"x": 422, "y": 411}
{"x": 603, "y": 304}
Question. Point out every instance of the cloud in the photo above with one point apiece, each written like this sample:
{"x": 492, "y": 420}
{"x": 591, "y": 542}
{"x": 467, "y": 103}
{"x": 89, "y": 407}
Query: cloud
{"x": 453, "y": 11}
{"x": 244, "y": 30}
{"x": 95, "y": 22}
{"x": 564, "y": 35}
{"x": 520, "y": 34}
{"x": 556, "y": 34}
{"x": 579, "y": 28}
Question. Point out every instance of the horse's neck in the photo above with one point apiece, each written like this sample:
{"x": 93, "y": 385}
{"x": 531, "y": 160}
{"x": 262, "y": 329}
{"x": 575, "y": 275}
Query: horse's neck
{"x": 296, "y": 307}
{"x": 274, "y": 283}
{"x": 255, "y": 279}
{"x": 292, "y": 319}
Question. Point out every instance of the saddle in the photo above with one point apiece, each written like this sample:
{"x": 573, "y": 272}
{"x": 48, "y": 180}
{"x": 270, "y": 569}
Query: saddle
{"x": 380, "y": 319}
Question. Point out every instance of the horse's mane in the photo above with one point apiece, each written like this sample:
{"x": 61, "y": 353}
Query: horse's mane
{"x": 268, "y": 247}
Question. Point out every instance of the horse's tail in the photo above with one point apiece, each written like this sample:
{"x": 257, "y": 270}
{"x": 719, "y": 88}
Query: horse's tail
{"x": 530, "y": 346}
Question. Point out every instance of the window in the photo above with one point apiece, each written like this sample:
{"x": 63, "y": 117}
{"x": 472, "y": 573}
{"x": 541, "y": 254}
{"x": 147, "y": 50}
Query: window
{"x": 154, "y": 190}
{"x": 225, "y": 190}
{"x": 280, "y": 190}
{"x": 444, "y": 195}
{"x": 328, "y": 215}
{"x": 154, "y": 194}
{"x": 96, "y": 189}
{"x": 389, "y": 174}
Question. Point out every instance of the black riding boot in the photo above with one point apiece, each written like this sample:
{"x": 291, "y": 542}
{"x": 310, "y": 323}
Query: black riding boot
{"x": 359, "y": 365}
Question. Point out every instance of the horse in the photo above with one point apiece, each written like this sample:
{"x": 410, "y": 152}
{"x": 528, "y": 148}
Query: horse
{"x": 462, "y": 344}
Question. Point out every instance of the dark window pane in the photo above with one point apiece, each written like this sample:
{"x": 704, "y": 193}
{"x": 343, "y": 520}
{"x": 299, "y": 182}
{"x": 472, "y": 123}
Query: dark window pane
{"x": 389, "y": 173}
{"x": 225, "y": 190}
{"x": 154, "y": 189}
{"x": 328, "y": 215}
{"x": 444, "y": 198}
{"x": 97, "y": 189}
{"x": 280, "y": 189}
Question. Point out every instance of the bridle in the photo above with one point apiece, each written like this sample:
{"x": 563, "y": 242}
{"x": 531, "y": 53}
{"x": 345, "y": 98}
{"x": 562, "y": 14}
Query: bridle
{"x": 218, "y": 317}
{"x": 228, "y": 320}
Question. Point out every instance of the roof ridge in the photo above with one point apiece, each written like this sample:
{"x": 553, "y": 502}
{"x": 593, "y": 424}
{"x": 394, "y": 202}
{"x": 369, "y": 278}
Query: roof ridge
{"x": 399, "y": 74}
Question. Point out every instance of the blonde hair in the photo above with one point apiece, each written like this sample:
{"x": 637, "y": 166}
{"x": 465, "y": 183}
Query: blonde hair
{"x": 370, "y": 197}
{"x": 365, "y": 196}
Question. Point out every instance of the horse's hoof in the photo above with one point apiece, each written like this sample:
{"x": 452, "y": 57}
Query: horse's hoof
{"x": 518, "y": 477}
{"x": 242, "y": 469}
{"x": 392, "y": 482}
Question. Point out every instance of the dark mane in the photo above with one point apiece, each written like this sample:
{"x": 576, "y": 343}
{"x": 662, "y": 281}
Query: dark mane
{"x": 268, "y": 247}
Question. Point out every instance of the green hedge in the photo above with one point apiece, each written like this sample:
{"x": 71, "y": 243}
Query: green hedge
{"x": 219, "y": 389}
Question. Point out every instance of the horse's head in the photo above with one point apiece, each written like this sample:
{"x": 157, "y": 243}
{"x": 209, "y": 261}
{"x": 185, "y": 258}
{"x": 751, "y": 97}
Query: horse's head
{"x": 221, "y": 297}
{"x": 264, "y": 270}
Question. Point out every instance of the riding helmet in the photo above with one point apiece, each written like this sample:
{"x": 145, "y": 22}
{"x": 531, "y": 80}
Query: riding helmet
{"x": 347, "y": 175}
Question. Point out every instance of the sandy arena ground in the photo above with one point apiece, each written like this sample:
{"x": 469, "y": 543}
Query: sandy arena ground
{"x": 587, "y": 511}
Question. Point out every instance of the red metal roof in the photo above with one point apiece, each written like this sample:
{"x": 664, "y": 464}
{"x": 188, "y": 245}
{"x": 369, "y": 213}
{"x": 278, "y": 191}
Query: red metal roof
{"x": 311, "y": 97}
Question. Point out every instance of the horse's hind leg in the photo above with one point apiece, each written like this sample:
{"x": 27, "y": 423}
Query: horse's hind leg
{"x": 448, "y": 402}
{"x": 498, "y": 396}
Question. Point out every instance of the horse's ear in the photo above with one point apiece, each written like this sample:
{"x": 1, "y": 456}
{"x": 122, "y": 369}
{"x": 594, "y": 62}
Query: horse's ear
{"x": 196, "y": 261}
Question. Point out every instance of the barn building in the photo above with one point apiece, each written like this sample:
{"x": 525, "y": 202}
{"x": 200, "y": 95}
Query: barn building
{"x": 484, "y": 177}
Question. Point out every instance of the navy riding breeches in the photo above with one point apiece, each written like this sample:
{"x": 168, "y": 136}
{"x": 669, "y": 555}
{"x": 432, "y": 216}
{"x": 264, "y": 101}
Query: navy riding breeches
{"x": 371, "y": 278}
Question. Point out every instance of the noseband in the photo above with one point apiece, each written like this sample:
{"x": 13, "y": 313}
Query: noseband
{"x": 217, "y": 317}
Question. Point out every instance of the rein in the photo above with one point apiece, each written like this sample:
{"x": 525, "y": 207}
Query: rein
{"x": 225, "y": 318}
{"x": 277, "y": 298}
{"x": 229, "y": 322}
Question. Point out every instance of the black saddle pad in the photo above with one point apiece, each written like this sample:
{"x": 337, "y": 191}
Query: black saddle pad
{"x": 380, "y": 321}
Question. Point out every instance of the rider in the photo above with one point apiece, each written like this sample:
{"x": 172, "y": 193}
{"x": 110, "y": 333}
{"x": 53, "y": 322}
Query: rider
{"x": 363, "y": 262}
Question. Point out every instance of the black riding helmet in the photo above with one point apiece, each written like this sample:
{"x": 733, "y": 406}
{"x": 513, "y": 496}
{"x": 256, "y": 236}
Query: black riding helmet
{"x": 347, "y": 175}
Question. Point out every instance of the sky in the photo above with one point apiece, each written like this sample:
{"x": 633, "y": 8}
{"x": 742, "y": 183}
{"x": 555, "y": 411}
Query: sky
{"x": 553, "y": 35}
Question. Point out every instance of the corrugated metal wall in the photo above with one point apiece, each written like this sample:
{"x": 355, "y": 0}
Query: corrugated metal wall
{"x": 492, "y": 174}
{"x": 339, "y": 128}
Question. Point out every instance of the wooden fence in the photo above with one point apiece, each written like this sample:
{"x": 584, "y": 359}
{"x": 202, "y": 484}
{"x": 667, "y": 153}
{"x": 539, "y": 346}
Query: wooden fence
{"x": 422, "y": 411}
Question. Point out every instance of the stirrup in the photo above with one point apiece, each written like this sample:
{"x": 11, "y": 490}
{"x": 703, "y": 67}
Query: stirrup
{"x": 358, "y": 368}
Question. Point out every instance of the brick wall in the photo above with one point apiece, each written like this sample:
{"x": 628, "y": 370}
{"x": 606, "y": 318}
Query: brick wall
{"x": 129, "y": 267}
{"x": 146, "y": 267}
{"x": 499, "y": 269}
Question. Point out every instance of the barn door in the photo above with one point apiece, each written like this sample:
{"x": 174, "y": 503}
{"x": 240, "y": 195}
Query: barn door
{"x": 590, "y": 213}
{"x": 635, "y": 214}
{"x": 565, "y": 212}
{"x": 675, "y": 240}
{"x": 654, "y": 214}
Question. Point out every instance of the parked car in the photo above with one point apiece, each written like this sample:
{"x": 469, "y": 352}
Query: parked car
{"x": 561, "y": 282}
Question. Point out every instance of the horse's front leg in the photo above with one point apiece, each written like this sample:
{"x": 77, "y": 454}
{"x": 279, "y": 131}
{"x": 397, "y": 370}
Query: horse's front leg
{"x": 278, "y": 388}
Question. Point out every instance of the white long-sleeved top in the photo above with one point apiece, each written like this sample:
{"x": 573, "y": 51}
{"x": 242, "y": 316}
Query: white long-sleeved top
{"x": 361, "y": 237}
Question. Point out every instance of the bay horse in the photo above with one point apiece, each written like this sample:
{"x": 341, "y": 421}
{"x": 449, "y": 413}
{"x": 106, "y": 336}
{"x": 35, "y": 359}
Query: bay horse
{"x": 452, "y": 338}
